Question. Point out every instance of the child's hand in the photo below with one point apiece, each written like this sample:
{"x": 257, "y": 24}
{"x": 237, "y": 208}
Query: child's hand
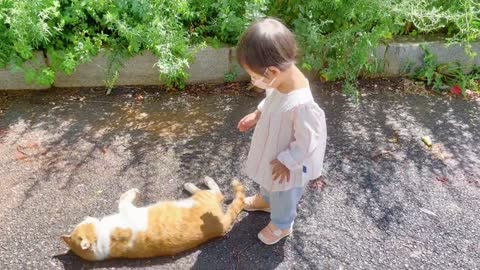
{"x": 279, "y": 171}
{"x": 249, "y": 121}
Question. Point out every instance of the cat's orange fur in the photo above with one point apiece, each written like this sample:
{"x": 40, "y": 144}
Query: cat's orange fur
{"x": 168, "y": 228}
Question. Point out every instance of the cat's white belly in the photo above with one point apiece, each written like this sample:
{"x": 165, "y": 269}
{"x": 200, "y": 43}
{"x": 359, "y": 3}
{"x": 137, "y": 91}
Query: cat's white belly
{"x": 186, "y": 203}
{"x": 135, "y": 219}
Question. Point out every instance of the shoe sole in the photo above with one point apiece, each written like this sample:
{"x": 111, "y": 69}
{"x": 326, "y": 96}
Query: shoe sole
{"x": 267, "y": 210}
{"x": 273, "y": 243}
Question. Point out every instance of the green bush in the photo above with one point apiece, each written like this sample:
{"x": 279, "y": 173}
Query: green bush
{"x": 443, "y": 76}
{"x": 338, "y": 37}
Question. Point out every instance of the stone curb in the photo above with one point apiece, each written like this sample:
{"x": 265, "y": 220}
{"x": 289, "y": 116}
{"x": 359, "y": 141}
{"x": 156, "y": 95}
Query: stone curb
{"x": 404, "y": 58}
{"x": 16, "y": 80}
{"x": 211, "y": 65}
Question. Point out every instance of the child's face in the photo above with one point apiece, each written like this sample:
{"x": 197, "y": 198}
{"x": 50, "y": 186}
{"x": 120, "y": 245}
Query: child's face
{"x": 269, "y": 79}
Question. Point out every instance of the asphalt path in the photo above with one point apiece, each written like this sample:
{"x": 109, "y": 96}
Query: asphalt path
{"x": 386, "y": 200}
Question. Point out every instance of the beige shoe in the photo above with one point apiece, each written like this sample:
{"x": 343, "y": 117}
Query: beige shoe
{"x": 271, "y": 234}
{"x": 256, "y": 203}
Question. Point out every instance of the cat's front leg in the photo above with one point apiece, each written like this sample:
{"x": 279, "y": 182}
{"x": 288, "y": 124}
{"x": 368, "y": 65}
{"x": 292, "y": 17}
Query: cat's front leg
{"x": 127, "y": 199}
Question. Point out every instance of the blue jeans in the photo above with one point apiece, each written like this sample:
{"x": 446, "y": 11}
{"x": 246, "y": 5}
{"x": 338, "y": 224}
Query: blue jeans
{"x": 283, "y": 205}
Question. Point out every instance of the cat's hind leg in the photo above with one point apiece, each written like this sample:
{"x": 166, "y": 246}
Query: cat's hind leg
{"x": 211, "y": 184}
{"x": 130, "y": 195}
{"x": 127, "y": 199}
{"x": 235, "y": 207}
{"x": 190, "y": 187}
{"x": 213, "y": 187}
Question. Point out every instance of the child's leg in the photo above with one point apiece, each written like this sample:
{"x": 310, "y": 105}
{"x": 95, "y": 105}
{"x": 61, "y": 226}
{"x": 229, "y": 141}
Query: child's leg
{"x": 284, "y": 207}
{"x": 283, "y": 213}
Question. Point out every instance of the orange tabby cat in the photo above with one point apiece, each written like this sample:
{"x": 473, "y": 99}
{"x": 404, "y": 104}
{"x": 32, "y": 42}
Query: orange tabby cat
{"x": 164, "y": 228}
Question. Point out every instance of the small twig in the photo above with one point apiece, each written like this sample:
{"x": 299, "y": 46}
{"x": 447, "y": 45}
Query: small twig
{"x": 443, "y": 179}
{"x": 18, "y": 149}
{"x": 385, "y": 152}
{"x": 98, "y": 101}
{"x": 85, "y": 101}
{"x": 381, "y": 154}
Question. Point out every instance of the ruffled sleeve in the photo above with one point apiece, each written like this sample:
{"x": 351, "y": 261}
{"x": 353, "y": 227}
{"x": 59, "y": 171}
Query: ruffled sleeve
{"x": 268, "y": 92}
{"x": 310, "y": 133}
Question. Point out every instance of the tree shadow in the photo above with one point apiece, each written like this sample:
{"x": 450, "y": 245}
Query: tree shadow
{"x": 126, "y": 140}
{"x": 355, "y": 133}
{"x": 376, "y": 156}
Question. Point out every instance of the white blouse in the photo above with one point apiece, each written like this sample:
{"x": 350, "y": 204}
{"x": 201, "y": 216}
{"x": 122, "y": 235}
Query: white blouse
{"x": 291, "y": 129}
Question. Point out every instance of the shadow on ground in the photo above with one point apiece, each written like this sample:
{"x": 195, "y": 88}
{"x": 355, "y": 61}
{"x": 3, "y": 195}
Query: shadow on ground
{"x": 385, "y": 201}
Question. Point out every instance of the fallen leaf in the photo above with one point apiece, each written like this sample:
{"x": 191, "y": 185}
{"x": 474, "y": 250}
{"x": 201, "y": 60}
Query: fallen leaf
{"x": 427, "y": 141}
{"x": 394, "y": 140}
{"x": 474, "y": 182}
{"x": 439, "y": 151}
{"x": 32, "y": 145}
{"x": 456, "y": 90}
{"x": 443, "y": 179}
{"x": 319, "y": 184}
{"x": 21, "y": 156}
{"x": 428, "y": 212}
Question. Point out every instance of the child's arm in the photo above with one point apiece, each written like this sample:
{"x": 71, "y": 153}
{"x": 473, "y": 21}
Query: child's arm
{"x": 249, "y": 121}
{"x": 310, "y": 132}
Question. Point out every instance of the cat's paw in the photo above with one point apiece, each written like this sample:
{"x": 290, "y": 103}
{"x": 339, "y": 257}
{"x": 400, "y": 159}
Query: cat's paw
{"x": 130, "y": 195}
{"x": 190, "y": 187}
{"x": 211, "y": 184}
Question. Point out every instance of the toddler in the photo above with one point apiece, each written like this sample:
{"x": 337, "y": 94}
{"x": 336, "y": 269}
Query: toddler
{"x": 288, "y": 144}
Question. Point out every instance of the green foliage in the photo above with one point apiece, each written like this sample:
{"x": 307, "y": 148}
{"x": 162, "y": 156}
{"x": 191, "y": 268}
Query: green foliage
{"x": 222, "y": 21}
{"x": 443, "y": 77}
{"x": 338, "y": 38}
{"x": 231, "y": 76}
{"x": 25, "y": 26}
{"x": 73, "y": 31}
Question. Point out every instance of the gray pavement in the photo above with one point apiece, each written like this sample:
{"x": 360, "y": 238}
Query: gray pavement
{"x": 386, "y": 201}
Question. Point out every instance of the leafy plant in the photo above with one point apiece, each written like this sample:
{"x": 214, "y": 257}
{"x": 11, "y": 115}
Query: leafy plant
{"x": 338, "y": 38}
{"x": 232, "y": 75}
{"x": 447, "y": 76}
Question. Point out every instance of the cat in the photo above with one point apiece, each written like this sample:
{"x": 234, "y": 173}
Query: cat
{"x": 165, "y": 228}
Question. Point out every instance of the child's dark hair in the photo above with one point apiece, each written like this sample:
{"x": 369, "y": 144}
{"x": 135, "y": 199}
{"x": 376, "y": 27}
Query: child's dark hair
{"x": 267, "y": 43}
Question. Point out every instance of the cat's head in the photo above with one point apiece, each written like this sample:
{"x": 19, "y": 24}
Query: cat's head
{"x": 83, "y": 240}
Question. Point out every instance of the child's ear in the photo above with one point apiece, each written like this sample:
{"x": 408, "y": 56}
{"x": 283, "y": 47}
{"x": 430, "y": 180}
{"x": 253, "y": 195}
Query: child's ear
{"x": 67, "y": 239}
{"x": 272, "y": 72}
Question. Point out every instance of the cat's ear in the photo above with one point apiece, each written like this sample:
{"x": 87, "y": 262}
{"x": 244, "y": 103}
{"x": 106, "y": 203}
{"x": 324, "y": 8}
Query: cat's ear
{"x": 67, "y": 239}
{"x": 84, "y": 244}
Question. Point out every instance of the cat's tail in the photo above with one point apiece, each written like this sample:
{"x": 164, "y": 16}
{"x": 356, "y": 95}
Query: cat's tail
{"x": 235, "y": 207}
